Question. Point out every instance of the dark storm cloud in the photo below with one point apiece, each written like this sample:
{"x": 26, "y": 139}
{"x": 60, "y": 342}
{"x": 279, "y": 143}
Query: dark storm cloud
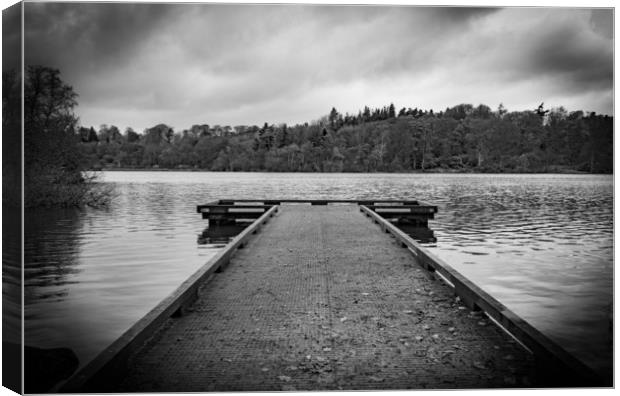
{"x": 11, "y": 38}
{"x": 96, "y": 34}
{"x": 462, "y": 14}
{"x": 140, "y": 64}
{"x": 566, "y": 49}
{"x": 567, "y": 53}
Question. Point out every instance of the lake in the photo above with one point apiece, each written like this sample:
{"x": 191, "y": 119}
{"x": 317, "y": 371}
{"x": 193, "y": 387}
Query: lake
{"x": 540, "y": 244}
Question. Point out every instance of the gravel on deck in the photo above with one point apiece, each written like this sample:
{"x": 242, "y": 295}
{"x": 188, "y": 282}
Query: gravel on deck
{"x": 322, "y": 299}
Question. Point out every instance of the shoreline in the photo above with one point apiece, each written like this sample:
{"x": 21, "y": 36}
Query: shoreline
{"x": 417, "y": 172}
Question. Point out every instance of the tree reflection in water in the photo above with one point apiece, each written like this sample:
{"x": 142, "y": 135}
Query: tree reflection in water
{"x": 11, "y": 295}
{"x": 51, "y": 249}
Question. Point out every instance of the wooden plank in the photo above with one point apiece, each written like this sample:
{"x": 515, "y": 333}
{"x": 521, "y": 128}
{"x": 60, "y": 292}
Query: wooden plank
{"x": 320, "y": 201}
{"x": 207, "y": 208}
{"x": 219, "y": 208}
{"x": 232, "y": 215}
{"x": 207, "y": 204}
{"x": 110, "y": 361}
{"x": 474, "y": 297}
{"x": 407, "y": 208}
{"x": 406, "y": 215}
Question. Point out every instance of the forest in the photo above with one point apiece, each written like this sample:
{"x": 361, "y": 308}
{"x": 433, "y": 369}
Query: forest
{"x": 463, "y": 138}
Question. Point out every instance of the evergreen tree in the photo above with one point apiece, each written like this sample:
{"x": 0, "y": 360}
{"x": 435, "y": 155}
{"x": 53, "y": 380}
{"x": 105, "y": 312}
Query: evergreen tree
{"x": 333, "y": 118}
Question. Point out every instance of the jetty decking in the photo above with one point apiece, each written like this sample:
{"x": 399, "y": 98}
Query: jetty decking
{"x": 321, "y": 298}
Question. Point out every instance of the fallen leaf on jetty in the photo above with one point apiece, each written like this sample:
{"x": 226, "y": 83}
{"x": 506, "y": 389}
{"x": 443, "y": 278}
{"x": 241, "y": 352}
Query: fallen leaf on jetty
{"x": 284, "y": 378}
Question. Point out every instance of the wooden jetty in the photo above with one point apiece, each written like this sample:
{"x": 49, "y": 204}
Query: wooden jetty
{"x": 228, "y": 210}
{"x": 328, "y": 297}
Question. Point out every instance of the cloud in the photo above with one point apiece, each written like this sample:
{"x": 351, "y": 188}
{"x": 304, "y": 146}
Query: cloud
{"x": 568, "y": 49}
{"x": 602, "y": 22}
{"x": 11, "y": 37}
{"x": 554, "y": 52}
{"x": 133, "y": 64}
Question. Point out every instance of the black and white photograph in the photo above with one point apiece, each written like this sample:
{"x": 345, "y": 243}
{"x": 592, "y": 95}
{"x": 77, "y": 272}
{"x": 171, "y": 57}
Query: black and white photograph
{"x": 290, "y": 197}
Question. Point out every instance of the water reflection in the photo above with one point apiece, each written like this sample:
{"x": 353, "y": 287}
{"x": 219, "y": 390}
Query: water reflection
{"x": 221, "y": 234}
{"x": 11, "y": 275}
{"x": 11, "y": 295}
{"x": 422, "y": 234}
{"x": 51, "y": 259}
{"x": 51, "y": 247}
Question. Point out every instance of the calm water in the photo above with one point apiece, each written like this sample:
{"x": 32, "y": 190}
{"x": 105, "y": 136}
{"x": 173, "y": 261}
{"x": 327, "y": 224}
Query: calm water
{"x": 541, "y": 244}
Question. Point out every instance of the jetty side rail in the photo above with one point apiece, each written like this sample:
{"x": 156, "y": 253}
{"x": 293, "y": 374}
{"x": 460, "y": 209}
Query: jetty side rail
{"x": 547, "y": 353}
{"x": 421, "y": 209}
{"x": 111, "y": 362}
{"x": 369, "y": 202}
{"x": 215, "y": 209}
{"x": 223, "y": 208}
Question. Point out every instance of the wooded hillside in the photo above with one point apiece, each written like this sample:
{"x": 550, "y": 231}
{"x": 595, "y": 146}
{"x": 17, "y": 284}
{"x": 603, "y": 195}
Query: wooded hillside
{"x": 461, "y": 138}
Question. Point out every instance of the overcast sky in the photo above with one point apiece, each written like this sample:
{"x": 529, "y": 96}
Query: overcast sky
{"x": 142, "y": 64}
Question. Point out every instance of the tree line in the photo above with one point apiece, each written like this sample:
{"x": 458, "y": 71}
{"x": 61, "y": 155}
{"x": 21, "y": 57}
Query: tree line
{"x": 462, "y": 138}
